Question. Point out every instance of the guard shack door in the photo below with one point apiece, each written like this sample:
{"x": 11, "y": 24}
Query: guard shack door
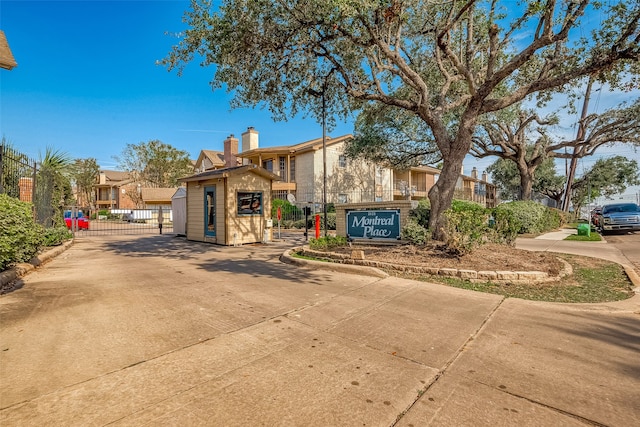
{"x": 210, "y": 211}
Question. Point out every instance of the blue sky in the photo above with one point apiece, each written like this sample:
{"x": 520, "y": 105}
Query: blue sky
{"x": 87, "y": 83}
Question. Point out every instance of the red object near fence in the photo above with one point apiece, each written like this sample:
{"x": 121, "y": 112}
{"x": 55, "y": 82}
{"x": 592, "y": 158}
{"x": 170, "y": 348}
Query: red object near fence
{"x": 317, "y": 226}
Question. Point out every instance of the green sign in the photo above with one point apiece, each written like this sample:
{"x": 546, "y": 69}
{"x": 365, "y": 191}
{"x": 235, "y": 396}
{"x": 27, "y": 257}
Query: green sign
{"x": 374, "y": 224}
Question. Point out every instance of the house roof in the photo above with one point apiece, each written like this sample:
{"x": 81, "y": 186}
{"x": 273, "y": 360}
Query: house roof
{"x": 215, "y": 157}
{"x": 115, "y": 175}
{"x": 314, "y": 144}
{"x": 7, "y": 61}
{"x": 157, "y": 194}
{"x": 180, "y": 193}
{"x": 225, "y": 172}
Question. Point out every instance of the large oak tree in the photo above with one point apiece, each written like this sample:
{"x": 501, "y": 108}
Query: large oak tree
{"x": 454, "y": 60}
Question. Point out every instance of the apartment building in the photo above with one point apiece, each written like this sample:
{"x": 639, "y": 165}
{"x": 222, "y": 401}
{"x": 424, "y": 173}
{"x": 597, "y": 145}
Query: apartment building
{"x": 301, "y": 171}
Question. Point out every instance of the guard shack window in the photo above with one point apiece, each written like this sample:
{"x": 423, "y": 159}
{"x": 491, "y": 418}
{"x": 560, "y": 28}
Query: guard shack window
{"x": 249, "y": 203}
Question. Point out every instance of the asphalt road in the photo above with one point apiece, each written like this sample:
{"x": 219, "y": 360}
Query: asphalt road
{"x": 155, "y": 330}
{"x": 629, "y": 244}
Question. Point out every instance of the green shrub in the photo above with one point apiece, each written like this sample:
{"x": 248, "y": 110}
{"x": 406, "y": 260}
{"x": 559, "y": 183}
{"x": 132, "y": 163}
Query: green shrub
{"x": 20, "y": 235}
{"x": 288, "y": 210}
{"x": 55, "y": 236}
{"x": 327, "y": 243}
{"x": 505, "y": 226}
{"x": 529, "y": 214}
{"x": 466, "y": 226}
{"x": 414, "y": 232}
{"x": 534, "y": 217}
{"x": 422, "y": 213}
{"x": 553, "y": 219}
{"x": 298, "y": 224}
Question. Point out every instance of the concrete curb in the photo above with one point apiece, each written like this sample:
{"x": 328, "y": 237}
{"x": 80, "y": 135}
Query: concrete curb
{"x": 286, "y": 257}
{"x": 22, "y": 269}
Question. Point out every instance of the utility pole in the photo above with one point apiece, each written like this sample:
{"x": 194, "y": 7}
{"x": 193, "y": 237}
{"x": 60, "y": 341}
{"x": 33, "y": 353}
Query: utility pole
{"x": 576, "y": 150}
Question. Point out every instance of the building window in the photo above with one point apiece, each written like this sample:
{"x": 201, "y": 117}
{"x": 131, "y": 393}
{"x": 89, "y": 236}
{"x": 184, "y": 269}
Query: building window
{"x": 292, "y": 169}
{"x": 342, "y": 161}
{"x": 249, "y": 203}
{"x": 268, "y": 165}
{"x": 283, "y": 168}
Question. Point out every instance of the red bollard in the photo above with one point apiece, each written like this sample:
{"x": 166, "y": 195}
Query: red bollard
{"x": 317, "y": 226}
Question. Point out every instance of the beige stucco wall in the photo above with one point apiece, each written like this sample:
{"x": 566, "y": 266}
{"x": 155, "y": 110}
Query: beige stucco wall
{"x": 230, "y": 227}
{"x": 341, "y": 211}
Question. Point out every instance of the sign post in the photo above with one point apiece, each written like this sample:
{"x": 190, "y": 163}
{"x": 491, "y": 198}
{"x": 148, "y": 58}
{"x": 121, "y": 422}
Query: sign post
{"x": 279, "y": 219}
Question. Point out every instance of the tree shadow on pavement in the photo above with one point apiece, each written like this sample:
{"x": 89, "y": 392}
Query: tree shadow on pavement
{"x": 252, "y": 259}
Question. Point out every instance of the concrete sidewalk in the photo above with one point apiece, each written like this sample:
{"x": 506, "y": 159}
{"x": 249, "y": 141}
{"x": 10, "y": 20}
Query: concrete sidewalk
{"x": 159, "y": 331}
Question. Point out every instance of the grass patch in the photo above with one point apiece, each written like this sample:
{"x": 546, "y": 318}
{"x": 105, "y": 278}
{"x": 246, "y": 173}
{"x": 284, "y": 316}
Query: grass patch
{"x": 310, "y": 258}
{"x": 592, "y": 281}
{"x": 594, "y": 237}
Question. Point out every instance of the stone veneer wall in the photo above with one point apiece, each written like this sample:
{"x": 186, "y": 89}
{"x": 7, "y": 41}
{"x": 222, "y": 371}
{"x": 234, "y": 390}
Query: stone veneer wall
{"x": 341, "y": 211}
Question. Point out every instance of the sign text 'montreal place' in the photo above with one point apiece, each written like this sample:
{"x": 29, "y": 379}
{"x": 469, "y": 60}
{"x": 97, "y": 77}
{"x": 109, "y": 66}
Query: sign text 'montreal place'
{"x": 374, "y": 224}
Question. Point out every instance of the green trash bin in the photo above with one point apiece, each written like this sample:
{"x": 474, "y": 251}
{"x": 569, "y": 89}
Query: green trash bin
{"x": 584, "y": 230}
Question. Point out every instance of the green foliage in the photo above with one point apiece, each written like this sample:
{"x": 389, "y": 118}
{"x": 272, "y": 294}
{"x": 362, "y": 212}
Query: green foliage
{"x": 20, "y": 235}
{"x": 422, "y": 213}
{"x": 465, "y": 227}
{"x": 393, "y": 137}
{"x": 288, "y": 210}
{"x": 414, "y": 232}
{"x": 606, "y": 178}
{"x": 534, "y": 217}
{"x": 155, "y": 163}
{"x": 56, "y": 236}
{"x": 53, "y": 191}
{"x": 85, "y": 174}
{"x": 327, "y": 243}
{"x": 505, "y": 226}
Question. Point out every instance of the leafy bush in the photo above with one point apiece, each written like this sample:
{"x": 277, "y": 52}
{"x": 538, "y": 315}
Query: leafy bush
{"x": 414, "y": 232}
{"x": 466, "y": 226}
{"x": 505, "y": 226}
{"x": 20, "y": 235}
{"x": 534, "y": 217}
{"x": 553, "y": 219}
{"x": 327, "y": 243}
{"x": 298, "y": 224}
{"x": 422, "y": 213}
{"x": 287, "y": 209}
{"x": 55, "y": 236}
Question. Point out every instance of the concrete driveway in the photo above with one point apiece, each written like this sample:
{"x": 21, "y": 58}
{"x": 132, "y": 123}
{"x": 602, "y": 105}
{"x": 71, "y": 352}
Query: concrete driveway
{"x": 159, "y": 331}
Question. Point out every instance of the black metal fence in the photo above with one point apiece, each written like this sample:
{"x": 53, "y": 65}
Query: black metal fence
{"x": 19, "y": 172}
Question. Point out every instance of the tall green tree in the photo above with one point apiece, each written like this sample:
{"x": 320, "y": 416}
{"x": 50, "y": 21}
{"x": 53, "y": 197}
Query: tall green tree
{"x": 155, "y": 163}
{"x": 85, "y": 175}
{"x": 606, "y": 178}
{"x": 505, "y": 174}
{"x": 449, "y": 63}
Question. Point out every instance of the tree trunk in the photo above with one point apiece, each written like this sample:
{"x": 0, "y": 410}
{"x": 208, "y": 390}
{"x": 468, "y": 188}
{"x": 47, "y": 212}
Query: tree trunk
{"x": 441, "y": 194}
{"x": 526, "y": 184}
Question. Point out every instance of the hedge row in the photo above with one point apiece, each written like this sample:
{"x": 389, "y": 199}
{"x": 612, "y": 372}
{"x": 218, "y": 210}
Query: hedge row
{"x": 470, "y": 225}
{"x": 20, "y": 236}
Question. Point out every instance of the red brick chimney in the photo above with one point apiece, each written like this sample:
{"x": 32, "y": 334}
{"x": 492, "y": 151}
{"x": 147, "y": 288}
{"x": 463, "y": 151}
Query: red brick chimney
{"x": 230, "y": 151}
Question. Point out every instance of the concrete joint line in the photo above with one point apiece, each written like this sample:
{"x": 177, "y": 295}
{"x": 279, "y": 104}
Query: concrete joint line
{"x": 442, "y": 371}
{"x": 552, "y": 408}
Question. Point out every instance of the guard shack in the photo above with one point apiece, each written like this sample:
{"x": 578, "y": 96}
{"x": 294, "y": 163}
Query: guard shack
{"x": 230, "y": 206}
